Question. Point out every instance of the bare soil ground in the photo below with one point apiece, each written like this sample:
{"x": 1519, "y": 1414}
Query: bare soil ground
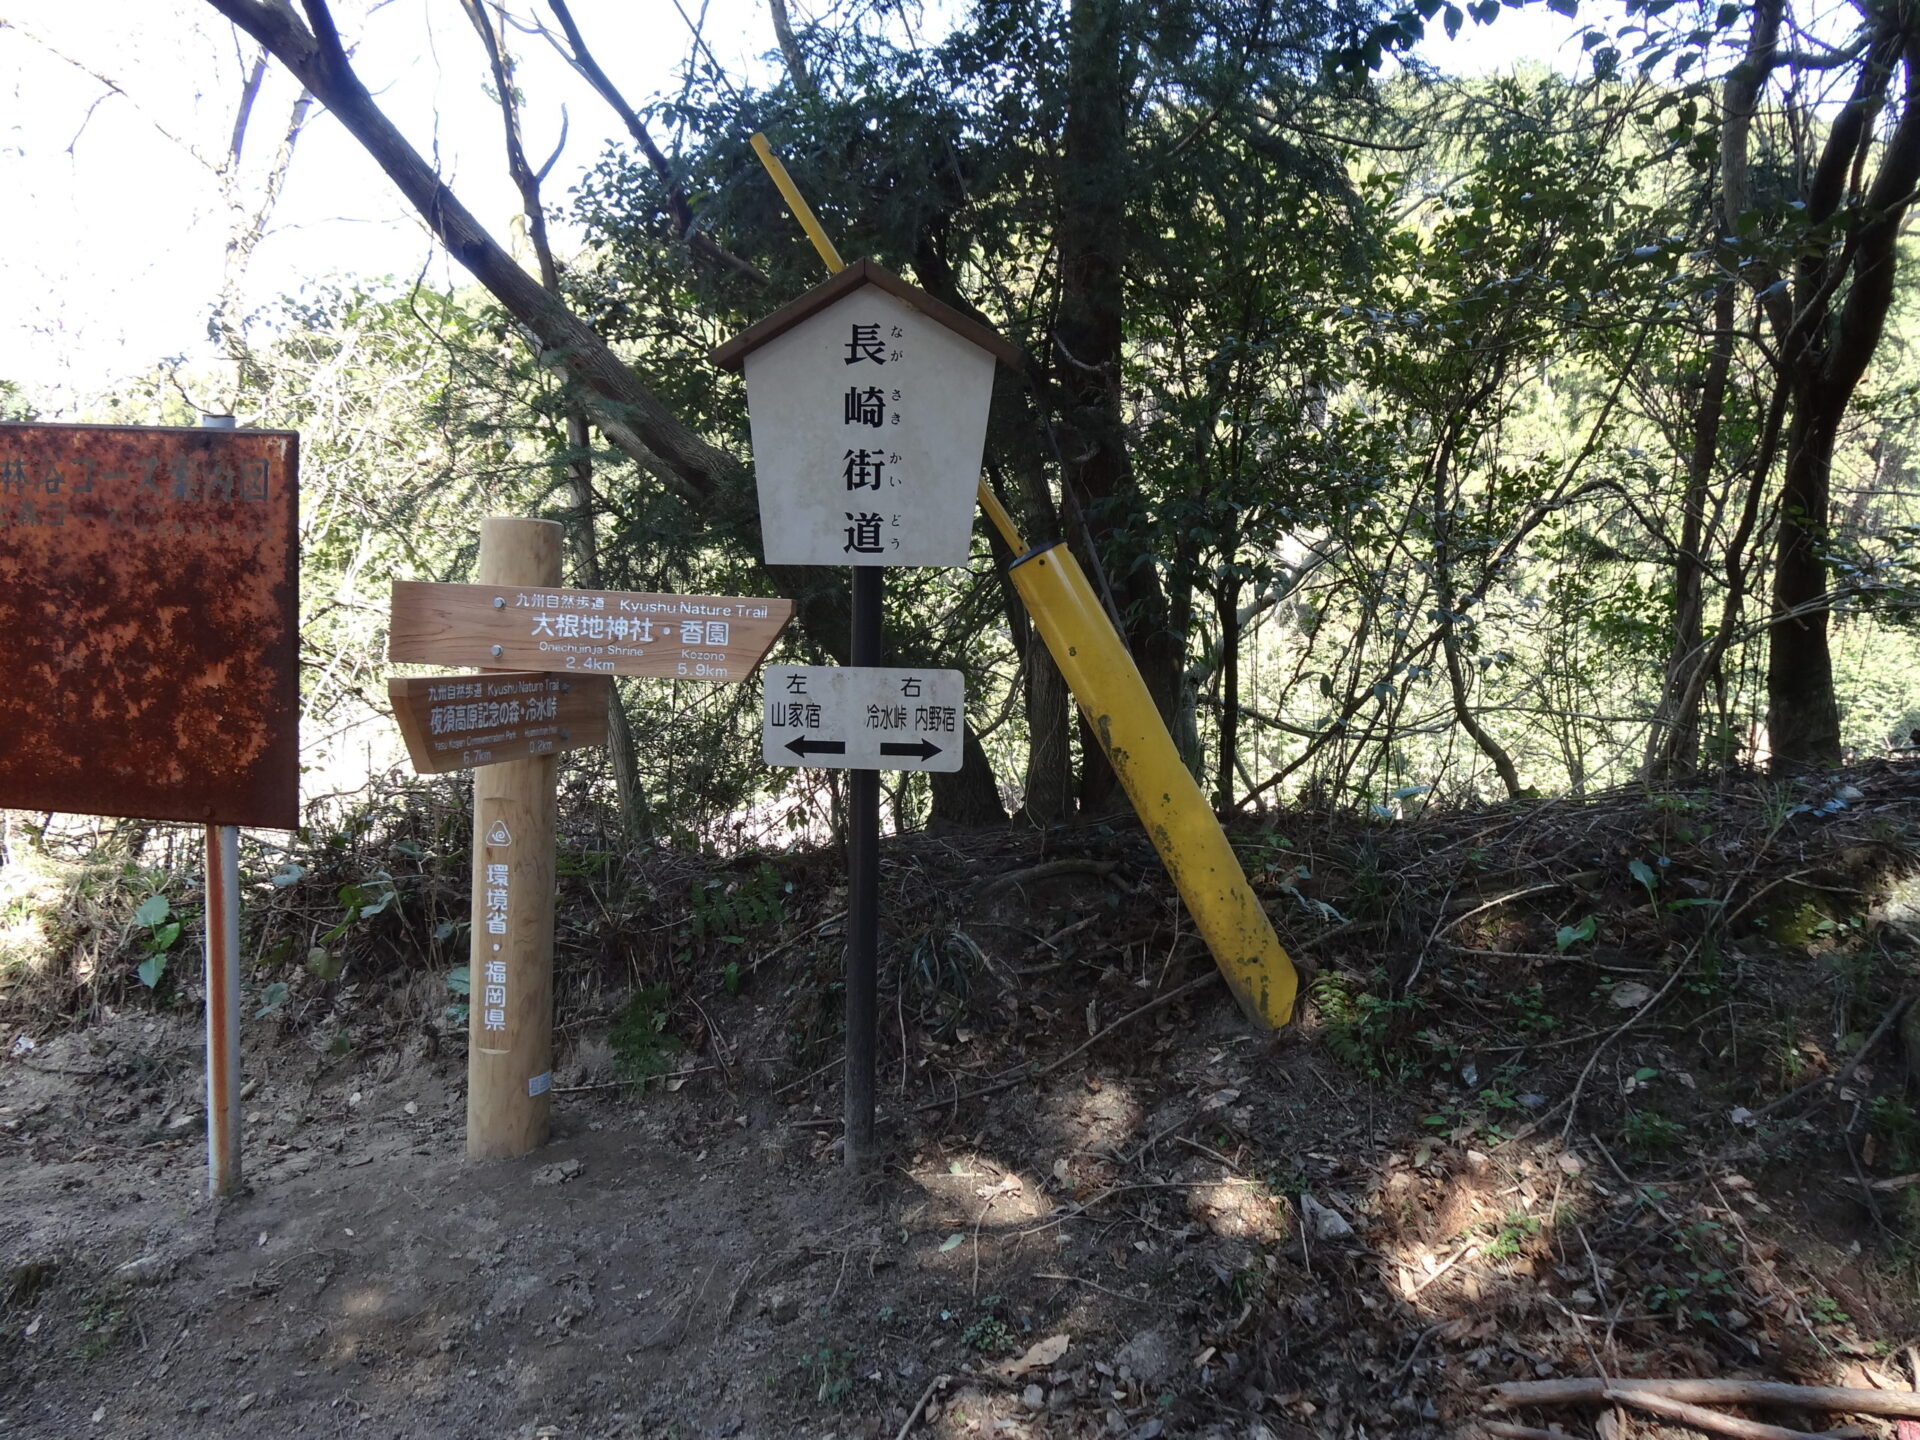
{"x": 1110, "y": 1208}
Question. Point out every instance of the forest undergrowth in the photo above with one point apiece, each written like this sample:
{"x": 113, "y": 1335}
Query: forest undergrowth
{"x": 1614, "y": 1087}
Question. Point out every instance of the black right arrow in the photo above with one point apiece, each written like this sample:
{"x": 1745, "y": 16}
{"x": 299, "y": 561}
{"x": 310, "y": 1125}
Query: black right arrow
{"x": 804, "y": 747}
{"x": 925, "y": 749}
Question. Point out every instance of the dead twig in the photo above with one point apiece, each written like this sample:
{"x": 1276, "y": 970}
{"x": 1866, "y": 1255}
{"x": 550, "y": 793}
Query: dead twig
{"x": 1836, "y": 1399}
{"x": 925, "y": 1395}
{"x": 1074, "y": 1054}
{"x": 1457, "y": 1257}
{"x": 1048, "y": 870}
{"x": 786, "y": 945}
{"x": 1497, "y": 901}
{"x": 1887, "y": 1022}
{"x": 733, "y": 1301}
{"x": 1505, "y": 1431}
{"x": 1701, "y": 1418}
{"x": 1116, "y": 1294}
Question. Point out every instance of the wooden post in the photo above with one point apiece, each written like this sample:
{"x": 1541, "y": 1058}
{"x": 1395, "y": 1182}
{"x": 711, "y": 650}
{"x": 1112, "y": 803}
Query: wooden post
{"x": 510, "y": 1030}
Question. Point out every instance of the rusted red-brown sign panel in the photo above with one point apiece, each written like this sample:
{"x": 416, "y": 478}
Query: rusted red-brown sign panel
{"x": 149, "y": 623}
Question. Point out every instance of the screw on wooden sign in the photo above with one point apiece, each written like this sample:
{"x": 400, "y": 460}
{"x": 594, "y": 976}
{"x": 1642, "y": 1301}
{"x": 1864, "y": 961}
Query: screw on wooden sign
{"x": 584, "y": 632}
{"x": 459, "y": 722}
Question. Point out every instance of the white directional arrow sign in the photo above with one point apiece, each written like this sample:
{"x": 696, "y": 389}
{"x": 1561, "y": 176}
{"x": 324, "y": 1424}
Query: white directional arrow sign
{"x": 829, "y": 717}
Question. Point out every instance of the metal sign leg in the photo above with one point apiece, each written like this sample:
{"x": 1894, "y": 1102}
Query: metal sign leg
{"x": 223, "y": 1009}
{"x": 863, "y": 896}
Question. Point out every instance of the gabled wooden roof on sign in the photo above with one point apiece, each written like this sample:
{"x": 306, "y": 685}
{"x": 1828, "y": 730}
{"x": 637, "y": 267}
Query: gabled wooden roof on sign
{"x": 733, "y": 354}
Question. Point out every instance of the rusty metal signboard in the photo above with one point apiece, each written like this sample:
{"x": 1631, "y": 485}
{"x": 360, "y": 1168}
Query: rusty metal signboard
{"x": 149, "y": 623}
{"x": 457, "y": 722}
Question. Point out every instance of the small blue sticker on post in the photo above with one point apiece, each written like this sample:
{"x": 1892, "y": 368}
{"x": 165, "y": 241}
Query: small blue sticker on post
{"x": 540, "y": 1084}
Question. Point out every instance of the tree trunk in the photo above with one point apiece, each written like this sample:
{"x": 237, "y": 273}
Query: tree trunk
{"x": 1803, "y": 715}
{"x": 969, "y": 796}
{"x": 1446, "y": 600}
{"x": 1049, "y": 777}
{"x": 1089, "y": 353}
{"x": 713, "y": 483}
{"x": 1826, "y": 355}
{"x": 582, "y": 515}
{"x": 1673, "y": 743}
{"x": 1229, "y": 613}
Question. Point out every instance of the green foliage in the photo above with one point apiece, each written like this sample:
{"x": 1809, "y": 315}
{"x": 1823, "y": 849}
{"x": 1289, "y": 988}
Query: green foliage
{"x": 988, "y": 1332}
{"x": 1368, "y": 1031}
{"x": 1387, "y": 490}
{"x": 163, "y": 932}
{"x": 460, "y": 986}
{"x": 642, "y": 1047}
{"x": 1530, "y": 1011}
{"x": 1649, "y": 1135}
{"x": 828, "y": 1375}
{"x": 272, "y": 997}
{"x": 1896, "y": 1131}
{"x": 105, "y": 1324}
{"x": 1567, "y": 936}
{"x": 730, "y": 910}
{"x": 1823, "y": 1309}
{"x": 1644, "y": 875}
{"x": 1509, "y": 1235}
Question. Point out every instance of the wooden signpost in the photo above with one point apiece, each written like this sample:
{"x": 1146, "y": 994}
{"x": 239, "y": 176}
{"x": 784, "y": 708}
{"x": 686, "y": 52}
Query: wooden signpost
{"x": 548, "y": 654}
{"x": 868, "y": 400}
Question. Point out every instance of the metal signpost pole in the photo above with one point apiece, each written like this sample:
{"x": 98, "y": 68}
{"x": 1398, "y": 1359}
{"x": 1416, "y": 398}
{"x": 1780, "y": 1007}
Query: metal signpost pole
{"x": 223, "y": 986}
{"x": 891, "y": 447}
{"x": 223, "y": 1009}
{"x": 863, "y": 894}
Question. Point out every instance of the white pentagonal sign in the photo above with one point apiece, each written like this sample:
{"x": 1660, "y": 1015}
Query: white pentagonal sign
{"x": 868, "y": 402}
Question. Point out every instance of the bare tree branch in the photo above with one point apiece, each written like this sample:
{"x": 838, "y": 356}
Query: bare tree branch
{"x": 630, "y": 414}
{"x": 679, "y": 208}
{"x": 803, "y": 80}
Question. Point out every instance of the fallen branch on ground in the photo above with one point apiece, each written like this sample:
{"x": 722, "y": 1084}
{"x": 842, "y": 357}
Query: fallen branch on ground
{"x": 1833, "y": 1398}
{"x": 1700, "y": 1418}
{"x": 1840, "y": 1076}
{"x": 1026, "y": 1077}
{"x": 925, "y": 1395}
{"x": 1050, "y": 870}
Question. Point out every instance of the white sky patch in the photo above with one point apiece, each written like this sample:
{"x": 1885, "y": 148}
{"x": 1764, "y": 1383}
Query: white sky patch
{"x": 112, "y": 254}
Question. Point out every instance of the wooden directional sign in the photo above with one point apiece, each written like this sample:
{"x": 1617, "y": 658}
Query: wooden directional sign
{"x": 584, "y": 632}
{"x": 868, "y": 400}
{"x": 456, "y": 722}
{"x": 830, "y": 717}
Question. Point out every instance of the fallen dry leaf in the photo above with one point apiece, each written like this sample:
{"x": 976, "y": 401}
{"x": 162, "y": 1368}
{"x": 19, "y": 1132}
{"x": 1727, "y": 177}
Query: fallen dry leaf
{"x": 1039, "y": 1356}
{"x": 1632, "y": 995}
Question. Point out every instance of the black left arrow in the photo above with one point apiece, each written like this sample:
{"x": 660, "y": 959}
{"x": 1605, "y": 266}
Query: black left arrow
{"x": 925, "y": 749}
{"x": 804, "y": 747}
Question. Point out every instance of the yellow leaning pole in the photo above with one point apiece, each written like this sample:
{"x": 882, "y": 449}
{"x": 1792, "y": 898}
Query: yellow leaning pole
{"x": 1108, "y": 687}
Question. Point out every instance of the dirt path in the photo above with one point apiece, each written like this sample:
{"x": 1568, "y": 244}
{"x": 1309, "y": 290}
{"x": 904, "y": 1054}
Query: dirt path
{"x": 1352, "y": 1229}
